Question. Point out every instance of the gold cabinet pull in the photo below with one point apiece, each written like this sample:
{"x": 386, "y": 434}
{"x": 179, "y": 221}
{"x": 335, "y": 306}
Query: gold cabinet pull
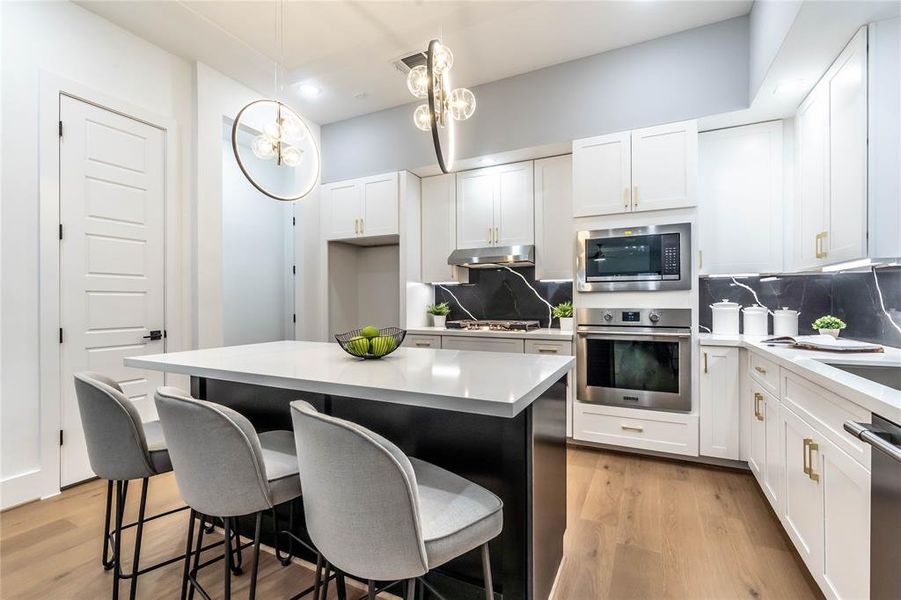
{"x": 635, "y": 428}
{"x": 490, "y": 236}
{"x": 811, "y": 448}
{"x": 760, "y": 370}
{"x": 705, "y": 362}
{"x": 820, "y": 246}
{"x": 806, "y": 465}
{"x": 700, "y": 259}
{"x": 423, "y": 344}
{"x": 626, "y": 197}
{"x": 635, "y": 196}
{"x": 497, "y": 235}
{"x": 362, "y": 225}
{"x": 547, "y": 350}
{"x": 758, "y": 397}
{"x": 356, "y": 225}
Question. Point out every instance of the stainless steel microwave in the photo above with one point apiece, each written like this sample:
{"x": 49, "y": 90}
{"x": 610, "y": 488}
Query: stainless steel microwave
{"x": 652, "y": 258}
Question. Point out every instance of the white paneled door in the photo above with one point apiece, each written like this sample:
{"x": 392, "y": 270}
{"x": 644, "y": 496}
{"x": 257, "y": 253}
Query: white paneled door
{"x": 112, "y": 171}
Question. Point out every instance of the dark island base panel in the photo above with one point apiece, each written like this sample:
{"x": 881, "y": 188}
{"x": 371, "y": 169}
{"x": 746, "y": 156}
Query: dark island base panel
{"x": 522, "y": 460}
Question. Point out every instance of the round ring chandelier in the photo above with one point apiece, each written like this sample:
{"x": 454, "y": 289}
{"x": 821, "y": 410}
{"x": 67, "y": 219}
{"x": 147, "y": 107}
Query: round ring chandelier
{"x": 279, "y": 135}
{"x": 270, "y": 130}
{"x": 445, "y": 105}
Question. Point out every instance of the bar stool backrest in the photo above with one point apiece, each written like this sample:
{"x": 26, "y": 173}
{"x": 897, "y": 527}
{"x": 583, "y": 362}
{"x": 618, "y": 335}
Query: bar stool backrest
{"x": 215, "y": 454}
{"x": 360, "y": 497}
{"x": 117, "y": 448}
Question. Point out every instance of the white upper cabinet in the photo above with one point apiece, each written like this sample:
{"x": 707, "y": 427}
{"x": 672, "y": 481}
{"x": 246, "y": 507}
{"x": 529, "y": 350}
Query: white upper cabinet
{"x": 342, "y": 205}
{"x": 514, "y": 206}
{"x": 495, "y": 206}
{"x": 741, "y": 199}
{"x": 812, "y": 125}
{"x": 646, "y": 169}
{"x": 664, "y": 166}
{"x": 439, "y": 227}
{"x": 362, "y": 207}
{"x": 554, "y": 238}
{"x": 602, "y": 175}
{"x": 476, "y": 192}
{"x": 380, "y": 195}
{"x": 832, "y": 162}
{"x": 847, "y": 85}
{"x": 719, "y": 402}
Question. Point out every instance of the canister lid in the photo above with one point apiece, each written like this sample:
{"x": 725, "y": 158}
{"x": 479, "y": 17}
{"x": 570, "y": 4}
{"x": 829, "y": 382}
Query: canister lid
{"x": 754, "y": 308}
{"x": 725, "y": 303}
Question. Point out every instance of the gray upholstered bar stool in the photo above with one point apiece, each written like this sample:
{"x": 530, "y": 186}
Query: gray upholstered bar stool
{"x": 376, "y": 514}
{"x": 121, "y": 448}
{"x": 225, "y": 469}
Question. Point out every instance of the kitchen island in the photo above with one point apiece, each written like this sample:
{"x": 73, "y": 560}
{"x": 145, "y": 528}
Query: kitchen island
{"x": 495, "y": 418}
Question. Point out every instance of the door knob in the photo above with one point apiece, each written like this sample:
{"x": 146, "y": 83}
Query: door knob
{"x": 155, "y": 334}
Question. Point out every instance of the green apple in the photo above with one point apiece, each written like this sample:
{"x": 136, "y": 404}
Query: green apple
{"x": 358, "y": 346}
{"x": 383, "y": 344}
{"x": 370, "y": 332}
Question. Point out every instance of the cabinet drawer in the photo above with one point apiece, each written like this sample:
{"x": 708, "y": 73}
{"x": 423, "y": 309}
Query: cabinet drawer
{"x": 765, "y": 372}
{"x": 549, "y": 347}
{"x": 484, "y": 344}
{"x": 673, "y": 433}
{"x": 827, "y": 412}
{"x": 422, "y": 341}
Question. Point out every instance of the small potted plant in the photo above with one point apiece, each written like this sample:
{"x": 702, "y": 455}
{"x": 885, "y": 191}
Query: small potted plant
{"x": 439, "y": 313}
{"x": 564, "y": 312}
{"x": 829, "y": 325}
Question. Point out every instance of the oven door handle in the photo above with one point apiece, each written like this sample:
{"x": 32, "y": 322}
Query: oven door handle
{"x": 597, "y": 333}
{"x": 872, "y": 437}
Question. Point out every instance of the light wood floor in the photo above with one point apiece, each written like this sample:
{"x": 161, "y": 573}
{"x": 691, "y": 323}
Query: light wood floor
{"x": 638, "y": 528}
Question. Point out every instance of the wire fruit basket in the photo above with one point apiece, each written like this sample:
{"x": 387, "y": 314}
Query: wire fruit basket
{"x": 362, "y": 344}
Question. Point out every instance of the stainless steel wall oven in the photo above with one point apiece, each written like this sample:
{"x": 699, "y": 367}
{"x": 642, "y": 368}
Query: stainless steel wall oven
{"x": 639, "y": 358}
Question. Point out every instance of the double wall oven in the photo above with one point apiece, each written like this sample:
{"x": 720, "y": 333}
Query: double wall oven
{"x": 639, "y": 358}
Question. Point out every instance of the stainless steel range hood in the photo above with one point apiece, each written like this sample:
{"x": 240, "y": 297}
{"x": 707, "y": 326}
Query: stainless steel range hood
{"x": 483, "y": 258}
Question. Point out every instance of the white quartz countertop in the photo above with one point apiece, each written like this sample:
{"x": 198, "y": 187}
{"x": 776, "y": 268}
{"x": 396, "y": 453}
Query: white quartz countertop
{"x": 488, "y": 383}
{"x": 535, "y": 334}
{"x": 818, "y": 367}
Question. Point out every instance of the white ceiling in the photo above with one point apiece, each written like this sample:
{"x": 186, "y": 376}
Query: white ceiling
{"x": 346, "y": 48}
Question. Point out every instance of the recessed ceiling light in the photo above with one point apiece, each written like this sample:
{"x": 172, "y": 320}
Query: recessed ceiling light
{"x": 790, "y": 87}
{"x": 308, "y": 90}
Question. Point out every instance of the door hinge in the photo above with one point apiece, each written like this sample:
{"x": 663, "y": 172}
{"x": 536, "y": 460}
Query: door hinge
{"x": 60, "y": 335}
{"x": 60, "y": 437}
{"x": 60, "y": 231}
{"x": 294, "y": 269}
{"x": 60, "y": 129}
{"x": 294, "y": 318}
{"x": 293, "y": 221}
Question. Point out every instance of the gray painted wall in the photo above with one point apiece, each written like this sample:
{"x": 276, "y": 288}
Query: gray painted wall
{"x": 687, "y": 75}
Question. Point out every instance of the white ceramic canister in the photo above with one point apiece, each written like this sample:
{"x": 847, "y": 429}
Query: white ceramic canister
{"x": 756, "y": 320}
{"x": 725, "y": 317}
{"x": 785, "y": 322}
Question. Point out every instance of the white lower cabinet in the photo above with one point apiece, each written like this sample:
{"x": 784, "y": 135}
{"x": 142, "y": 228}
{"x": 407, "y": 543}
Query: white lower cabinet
{"x": 670, "y": 432}
{"x": 802, "y": 513}
{"x": 484, "y": 344}
{"x": 422, "y": 341}
{"x": 815, "y": 476}
{"x": 719, "y": 398}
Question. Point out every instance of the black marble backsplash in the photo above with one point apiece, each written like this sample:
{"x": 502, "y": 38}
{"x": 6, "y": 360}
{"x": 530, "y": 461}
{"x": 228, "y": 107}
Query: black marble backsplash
{"x": 500, "y": 294}
{"x": 852, "y": 297}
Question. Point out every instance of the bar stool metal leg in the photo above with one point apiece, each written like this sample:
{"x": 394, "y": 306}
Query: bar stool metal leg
{"x": 228, "y": 559}
{"x": 197, "y": 551}
{"x": 135, "y": 566}
{"x": 256, "y": 556}
{"x": 121, "y": 492}
{"x": 486, "y": 572}
{"x": 105, "y": 560}
{"x": 187, "y": 566}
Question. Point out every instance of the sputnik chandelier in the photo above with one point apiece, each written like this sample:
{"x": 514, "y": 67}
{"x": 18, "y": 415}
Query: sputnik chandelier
{"x": 280, "y": 135}
{"x": 445, "y": 105}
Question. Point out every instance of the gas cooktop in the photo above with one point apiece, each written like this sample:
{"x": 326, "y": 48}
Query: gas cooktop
{"x": 493, "y": 325}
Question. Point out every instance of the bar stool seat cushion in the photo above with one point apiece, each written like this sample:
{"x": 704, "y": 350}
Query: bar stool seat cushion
{"x": 280, "y": 458}
{"x": 456, "y": 515}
